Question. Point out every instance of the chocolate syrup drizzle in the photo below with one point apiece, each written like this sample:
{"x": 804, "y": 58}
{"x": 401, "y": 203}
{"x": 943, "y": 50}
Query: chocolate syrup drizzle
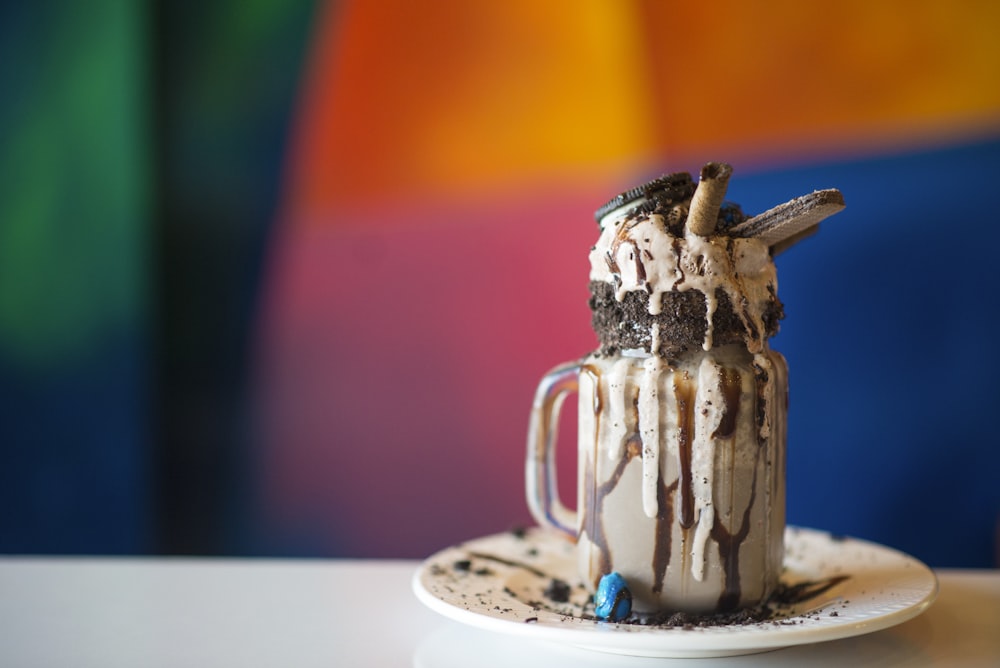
{"x": 732, "y": 386}
{"x": 594, "y": 501}
{"x": 729, "y": 551}
{"x": 670, "y": 508}
{"x": 664, "y": 520}
{"x": 684, "y": 394}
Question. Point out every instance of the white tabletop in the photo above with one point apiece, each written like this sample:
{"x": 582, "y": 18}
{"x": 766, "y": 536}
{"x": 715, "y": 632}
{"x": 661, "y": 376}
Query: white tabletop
{"x": 228, "y": 612}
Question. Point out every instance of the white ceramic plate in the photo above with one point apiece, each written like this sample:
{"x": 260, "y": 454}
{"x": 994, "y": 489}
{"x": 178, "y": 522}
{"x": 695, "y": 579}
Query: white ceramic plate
{"x": 499, "y": 583}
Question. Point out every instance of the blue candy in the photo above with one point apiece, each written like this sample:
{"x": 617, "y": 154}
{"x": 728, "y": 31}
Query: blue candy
{"x": 613, "y": 600}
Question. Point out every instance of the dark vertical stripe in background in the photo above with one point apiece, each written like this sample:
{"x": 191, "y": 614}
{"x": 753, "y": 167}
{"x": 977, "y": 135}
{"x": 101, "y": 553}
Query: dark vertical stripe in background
{"x": 226, "y": 75}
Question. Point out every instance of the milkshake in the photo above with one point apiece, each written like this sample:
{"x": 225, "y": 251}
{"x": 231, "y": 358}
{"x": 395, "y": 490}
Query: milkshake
{"x": 683, "y": 406}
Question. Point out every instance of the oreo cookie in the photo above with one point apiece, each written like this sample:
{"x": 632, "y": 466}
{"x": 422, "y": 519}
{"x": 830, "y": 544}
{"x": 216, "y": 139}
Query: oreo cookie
{"x": 659, "y": 194}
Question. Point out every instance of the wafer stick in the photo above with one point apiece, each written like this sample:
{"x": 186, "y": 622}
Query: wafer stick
{"x": 788, "y": 242}
{"x": 703, "y": 213}
{"x": 786, "y": 223}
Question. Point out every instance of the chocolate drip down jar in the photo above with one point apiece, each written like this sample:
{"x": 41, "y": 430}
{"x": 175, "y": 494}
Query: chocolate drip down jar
{"x": 682, "y": 409}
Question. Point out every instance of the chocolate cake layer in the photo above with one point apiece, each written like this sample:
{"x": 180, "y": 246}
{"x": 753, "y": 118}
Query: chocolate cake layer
{"x": 681, "y": 324}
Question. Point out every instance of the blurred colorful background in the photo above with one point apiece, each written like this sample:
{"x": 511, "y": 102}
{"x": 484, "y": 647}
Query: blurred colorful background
{"x": 280, "y": 277}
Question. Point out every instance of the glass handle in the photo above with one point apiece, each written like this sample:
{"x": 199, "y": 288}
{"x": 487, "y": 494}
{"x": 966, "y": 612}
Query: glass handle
{"x": 540, "y": 468}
